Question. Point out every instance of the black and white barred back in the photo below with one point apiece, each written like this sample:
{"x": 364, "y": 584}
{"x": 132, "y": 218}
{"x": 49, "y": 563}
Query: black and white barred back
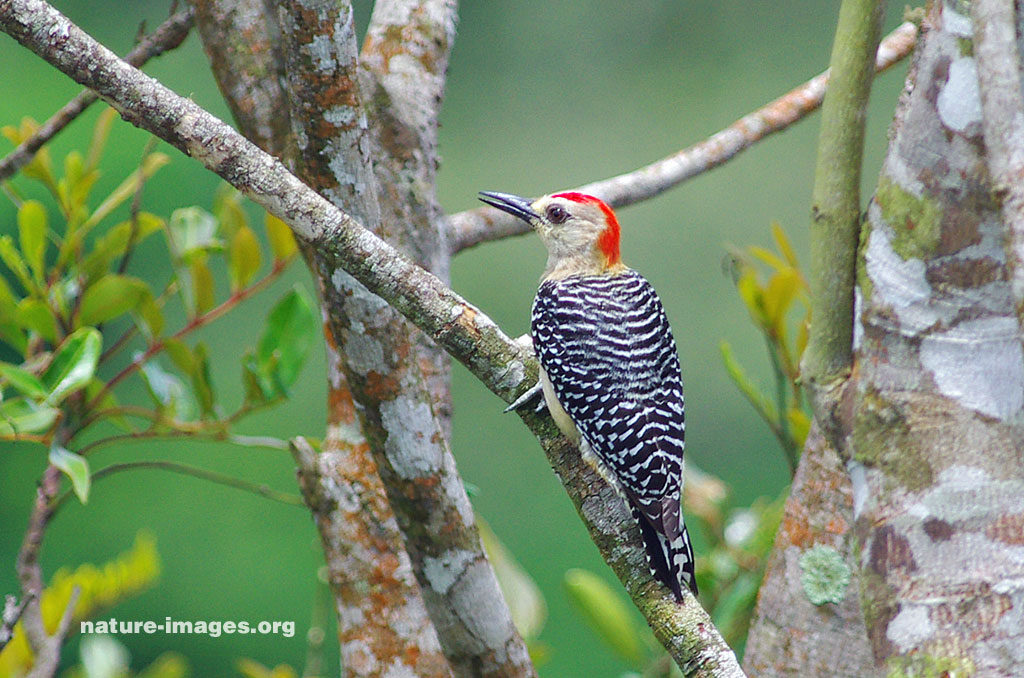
{"x": 607, "y": 348}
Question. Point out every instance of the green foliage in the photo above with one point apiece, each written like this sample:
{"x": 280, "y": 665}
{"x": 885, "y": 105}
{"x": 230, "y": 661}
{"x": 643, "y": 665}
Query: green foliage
{"x": 71, "y": 309}
{"x": 69, "y": 306}
{"x": 607, "y": 613}
{"x": 99, "y": 589}
{"x": 775, "y": 293}
{"x": 825, "y": 575}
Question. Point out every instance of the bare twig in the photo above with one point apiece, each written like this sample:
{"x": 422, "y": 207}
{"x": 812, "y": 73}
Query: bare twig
{"x": 484, "y": 224}
{"x": 1002, "y": 122}
{"x": 169, "y": 35}
{"x": 461, "y": 329}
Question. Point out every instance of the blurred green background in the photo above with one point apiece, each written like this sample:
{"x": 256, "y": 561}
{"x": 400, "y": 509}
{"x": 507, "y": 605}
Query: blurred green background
{"x": 541, "y": 96}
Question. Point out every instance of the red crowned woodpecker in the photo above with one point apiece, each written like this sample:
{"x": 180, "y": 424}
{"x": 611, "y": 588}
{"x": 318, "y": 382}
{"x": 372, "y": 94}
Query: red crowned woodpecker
{"x": 609, "y": 370}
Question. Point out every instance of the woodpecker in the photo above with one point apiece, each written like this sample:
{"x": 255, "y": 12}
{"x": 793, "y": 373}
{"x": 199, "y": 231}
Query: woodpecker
{"x": 609, "y": 370}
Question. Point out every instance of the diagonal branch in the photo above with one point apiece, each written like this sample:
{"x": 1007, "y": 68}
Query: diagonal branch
{"x": 1002, "y": 122}
{"x": 465, "y": 332}
{"x": 168, "y": 35}
{"x": 484, "y": 224}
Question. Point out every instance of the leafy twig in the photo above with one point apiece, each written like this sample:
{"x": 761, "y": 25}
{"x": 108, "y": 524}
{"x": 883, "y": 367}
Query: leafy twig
{"x": 183, "y": 469}
{"x": 169, "y": 35}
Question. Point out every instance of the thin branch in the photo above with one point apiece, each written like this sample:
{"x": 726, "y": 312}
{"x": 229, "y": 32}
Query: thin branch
{"x": 258, "y": 489}
{"x": 484, "y": 224}
{"x": 168, "y": 35}
{"x": 12, "y": 613}
{"x": 1002, "y": 122}
{"x": 835, "y": 203}
{"x": 465, "y": 332}
{"x": 192, "y": 325}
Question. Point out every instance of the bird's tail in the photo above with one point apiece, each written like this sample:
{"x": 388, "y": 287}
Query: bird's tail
{"x": 671, "y": 562}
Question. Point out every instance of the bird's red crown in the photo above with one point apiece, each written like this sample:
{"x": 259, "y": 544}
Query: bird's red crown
{"x": 608, "y": 242}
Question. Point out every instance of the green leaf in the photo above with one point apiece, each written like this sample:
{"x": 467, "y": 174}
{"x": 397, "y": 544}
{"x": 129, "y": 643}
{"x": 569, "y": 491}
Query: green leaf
{"x": 201, "y": 286}
{"x": 605, "y": 612}
{"x": 168, "y": 392}
{"x": 778, "y": 296}
{"x": 202, "y": 386}
{"x": 150, "y": 316}
{"x": 282, "y": 242}
{"x": 785, "y": 247}
{"x": 74, "y": 467}
{"x": 825, "y": 576}
{"x": 100, "y": 133}
{"x": 799, "y": 426}
{"x": 761, "y": 403}
{"x": 111, "y": 296}
{"x": 244, "y": 260}
{"x": 73, "y": 364}
{"x": 258, "y": 386}
{"x": 180, "y": 355}
{"x": 21, "y": 416}
{"x": 126, "y": 189}
{"x": 525, "y": 601}
{"x": 8, "y": 303}
{"x": 34, "y": 315}
{"x": 23, "y": 380}
{"x": 193, "y": 233}
{"x": 15, "y": 263}
{"x": 114, "y": 243}
{"x": 227, "y": 206}
{"x": 291, "y": 326}
{"x": 32, "y": 229}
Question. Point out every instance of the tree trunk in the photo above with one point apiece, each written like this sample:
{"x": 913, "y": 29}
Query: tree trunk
{"x": 935, "y": 414}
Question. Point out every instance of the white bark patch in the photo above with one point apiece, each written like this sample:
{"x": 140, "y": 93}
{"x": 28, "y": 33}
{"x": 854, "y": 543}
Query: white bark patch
{"x": 365, "y": 355}
{"x": 959, "y": 103}
{"x": 956, "y": 23}
{"x": 899, "y": 283}
{"x": 359, "y": 658}
{"x": 340, "y": 115}
{"x": 398, "y": 669}
{"x": 410, "y": 426}
{"x": 478, "y": 608}
{"x": 321, "y": 51}
{"x": 910, "y": 627}
{"x": 359, "y": 301}
{"x": 444, "y": 571}
{"x": 859, "y": 481}
{"x": 980, "y": 364}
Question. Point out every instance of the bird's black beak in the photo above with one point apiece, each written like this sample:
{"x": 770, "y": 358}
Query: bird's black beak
{"x": 513, "y": 204}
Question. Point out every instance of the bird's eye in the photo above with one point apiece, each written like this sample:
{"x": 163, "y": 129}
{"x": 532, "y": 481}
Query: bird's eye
{"x": 557, "y": 214}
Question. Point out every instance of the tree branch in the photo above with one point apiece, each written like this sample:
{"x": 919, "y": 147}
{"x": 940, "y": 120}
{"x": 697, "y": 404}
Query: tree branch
{"x": 168, "y": 35}
{"x": 835, "y": 206}
{"x": 1002, "y": 121}
{"x": 483, "y": 224}
{"x": 456, "y": 325}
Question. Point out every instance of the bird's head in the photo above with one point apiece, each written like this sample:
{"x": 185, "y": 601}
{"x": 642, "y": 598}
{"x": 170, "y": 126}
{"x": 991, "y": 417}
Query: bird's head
{"x": 580, "y": 231}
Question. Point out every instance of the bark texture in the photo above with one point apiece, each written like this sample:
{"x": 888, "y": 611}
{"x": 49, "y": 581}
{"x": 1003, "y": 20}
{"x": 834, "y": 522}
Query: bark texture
{"x": 937, "y": 432}
{"x": 790, "y": 635}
